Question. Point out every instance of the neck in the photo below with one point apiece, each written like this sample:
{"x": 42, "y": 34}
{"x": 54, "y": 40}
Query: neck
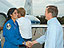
{"x": 50, "y": 17}
{"x": 13, "y": 19}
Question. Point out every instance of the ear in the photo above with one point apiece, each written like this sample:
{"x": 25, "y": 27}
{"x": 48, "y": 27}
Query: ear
{"x": 50, "y": 14}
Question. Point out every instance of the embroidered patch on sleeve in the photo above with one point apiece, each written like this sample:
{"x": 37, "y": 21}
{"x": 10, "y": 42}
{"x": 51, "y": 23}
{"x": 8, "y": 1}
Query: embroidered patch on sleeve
{"x": 8, "y": 26}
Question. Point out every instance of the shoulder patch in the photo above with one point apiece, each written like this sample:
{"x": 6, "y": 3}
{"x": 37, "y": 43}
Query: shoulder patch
{"x": 8, "y": 26}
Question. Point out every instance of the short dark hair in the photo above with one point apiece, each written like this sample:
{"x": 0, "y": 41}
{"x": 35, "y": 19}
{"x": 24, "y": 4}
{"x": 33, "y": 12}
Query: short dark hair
{"x": 52, "y": 9}
{"x": 21, "y": 11}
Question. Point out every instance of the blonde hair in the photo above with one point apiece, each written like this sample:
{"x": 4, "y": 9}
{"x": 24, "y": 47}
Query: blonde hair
{"x": 21, "y": 11}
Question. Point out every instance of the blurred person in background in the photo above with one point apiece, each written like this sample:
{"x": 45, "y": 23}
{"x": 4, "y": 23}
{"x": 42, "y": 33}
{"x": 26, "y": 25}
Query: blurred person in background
{"x": 24, "y": 26}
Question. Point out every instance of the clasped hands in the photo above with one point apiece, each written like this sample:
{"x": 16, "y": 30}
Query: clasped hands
{"x": 30, "y": 44}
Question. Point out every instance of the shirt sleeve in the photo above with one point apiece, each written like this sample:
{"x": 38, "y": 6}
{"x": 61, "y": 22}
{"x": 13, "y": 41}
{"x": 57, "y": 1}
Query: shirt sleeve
{"x": 10, "y": 35}
{"x": 41, "y": 40}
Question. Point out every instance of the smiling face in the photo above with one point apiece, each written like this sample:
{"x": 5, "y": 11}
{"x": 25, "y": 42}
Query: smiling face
{"x": 48, "y": 16}
{"x": 51, "y": 12}
{"x": 21, "y": 12}
{"x": 19, "y": 15}
{"x": 14, "y": 15}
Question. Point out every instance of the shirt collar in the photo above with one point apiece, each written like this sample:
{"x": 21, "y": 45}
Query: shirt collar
{"x": 51, "y": 20}
{"x": 12, "y": 21}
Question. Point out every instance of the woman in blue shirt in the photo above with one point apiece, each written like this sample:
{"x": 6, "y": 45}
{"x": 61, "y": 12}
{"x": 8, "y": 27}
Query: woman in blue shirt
{"x": 11, "y": 31}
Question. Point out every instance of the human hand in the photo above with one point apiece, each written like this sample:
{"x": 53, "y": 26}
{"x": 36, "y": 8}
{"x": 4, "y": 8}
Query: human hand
{"x": 29, "y": 44}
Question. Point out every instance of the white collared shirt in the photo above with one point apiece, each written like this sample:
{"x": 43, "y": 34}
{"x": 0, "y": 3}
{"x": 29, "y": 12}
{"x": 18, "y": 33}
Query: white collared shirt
{"x": 25, "y": 27}
{"x": 54, "y": 35}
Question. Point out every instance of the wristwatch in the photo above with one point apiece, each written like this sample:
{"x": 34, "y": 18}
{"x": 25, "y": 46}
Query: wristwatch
{"x": 24, "y": 43}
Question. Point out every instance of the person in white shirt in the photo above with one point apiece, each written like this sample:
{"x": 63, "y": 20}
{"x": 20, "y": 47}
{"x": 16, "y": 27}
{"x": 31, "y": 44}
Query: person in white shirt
{"x": 24, "y": 26}
{"x": 53, "y": 38}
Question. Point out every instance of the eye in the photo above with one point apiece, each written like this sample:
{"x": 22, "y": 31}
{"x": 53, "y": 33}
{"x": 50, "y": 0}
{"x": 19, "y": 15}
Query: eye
{"x": 15, "y": 13}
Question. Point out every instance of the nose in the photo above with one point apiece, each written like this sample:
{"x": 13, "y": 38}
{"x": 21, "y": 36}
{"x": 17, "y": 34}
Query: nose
{"x": 17, "y": 14}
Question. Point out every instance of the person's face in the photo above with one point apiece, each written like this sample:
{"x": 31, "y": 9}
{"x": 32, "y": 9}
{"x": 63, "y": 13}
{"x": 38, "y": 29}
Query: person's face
{"x": 47, "y": 15}
{"x": 14, "y": 15}
{"x": 19, "y": 15}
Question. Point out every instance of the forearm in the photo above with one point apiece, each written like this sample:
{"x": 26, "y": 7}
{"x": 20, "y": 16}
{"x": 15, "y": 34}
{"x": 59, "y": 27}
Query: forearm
{"x": 34, "y": 42}
{"x": 41, "y": 40}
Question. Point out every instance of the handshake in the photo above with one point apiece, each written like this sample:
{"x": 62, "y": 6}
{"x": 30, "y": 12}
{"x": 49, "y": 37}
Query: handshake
{"x": 30, "y": 44}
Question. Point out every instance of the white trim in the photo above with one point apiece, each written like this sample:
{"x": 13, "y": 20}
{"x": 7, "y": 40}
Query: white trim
{"x": 41, "y": 26}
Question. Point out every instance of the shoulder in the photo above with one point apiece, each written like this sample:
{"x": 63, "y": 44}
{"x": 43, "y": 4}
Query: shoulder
{"x": 8, "y": 24}
{"x": 19, "y": 19}
{"x": 27, "y": 18}
{"x": 52, "y": 25}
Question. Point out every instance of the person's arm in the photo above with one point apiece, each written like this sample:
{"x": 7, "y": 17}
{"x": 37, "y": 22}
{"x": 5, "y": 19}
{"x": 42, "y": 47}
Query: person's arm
{"x": 34, "y": 42}
{"x": 40, "y": 40}
{"x": 10, "y": 35}
{"x": 24, "y": 43}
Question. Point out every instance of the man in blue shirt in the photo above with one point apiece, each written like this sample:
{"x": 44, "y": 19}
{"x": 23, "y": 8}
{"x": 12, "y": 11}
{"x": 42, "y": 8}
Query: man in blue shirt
{"x": 53, "y": 38}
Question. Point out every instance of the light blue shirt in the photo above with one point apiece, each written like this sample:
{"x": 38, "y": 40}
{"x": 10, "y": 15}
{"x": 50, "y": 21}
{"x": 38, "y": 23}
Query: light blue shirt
{"x": 53, "y": 38}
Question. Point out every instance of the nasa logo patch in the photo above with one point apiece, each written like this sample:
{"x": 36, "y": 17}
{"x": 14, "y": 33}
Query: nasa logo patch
{"x": 8, "y": 26}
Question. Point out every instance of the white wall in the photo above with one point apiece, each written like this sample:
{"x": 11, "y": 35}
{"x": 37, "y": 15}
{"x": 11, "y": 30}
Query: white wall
{"x": 38, "y": 5}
